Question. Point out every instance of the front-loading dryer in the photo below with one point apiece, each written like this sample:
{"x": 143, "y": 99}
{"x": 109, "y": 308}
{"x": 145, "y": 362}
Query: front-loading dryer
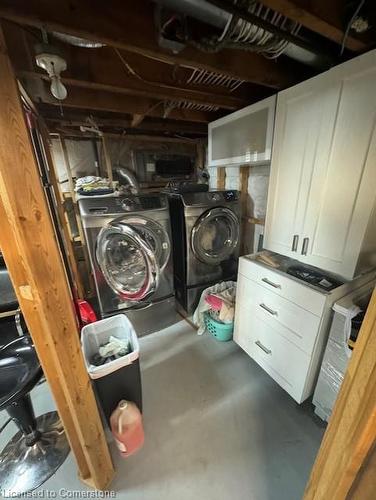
{"x": 206, "y": 241}
{"x": 129, "y": 243}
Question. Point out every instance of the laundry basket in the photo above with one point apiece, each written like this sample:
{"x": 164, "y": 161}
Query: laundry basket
{"x": 221, "y": 331}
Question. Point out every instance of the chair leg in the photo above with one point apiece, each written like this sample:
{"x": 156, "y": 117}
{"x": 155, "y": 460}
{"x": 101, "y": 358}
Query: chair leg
{"x": 31, "y": 456}
{"x": 17, "y": 320}
{"x": 22, "y": 412}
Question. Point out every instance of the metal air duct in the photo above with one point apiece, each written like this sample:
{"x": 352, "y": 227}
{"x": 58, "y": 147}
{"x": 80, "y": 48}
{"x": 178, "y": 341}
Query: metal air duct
{"x": 252, "y": 36}
{"x": 127, "y": 175}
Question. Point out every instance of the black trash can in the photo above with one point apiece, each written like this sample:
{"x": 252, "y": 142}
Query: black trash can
{"x": 118, "y": 379}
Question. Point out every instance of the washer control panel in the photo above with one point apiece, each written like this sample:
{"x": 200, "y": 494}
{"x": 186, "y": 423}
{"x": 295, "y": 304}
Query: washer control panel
{"x": 99, "y": 207}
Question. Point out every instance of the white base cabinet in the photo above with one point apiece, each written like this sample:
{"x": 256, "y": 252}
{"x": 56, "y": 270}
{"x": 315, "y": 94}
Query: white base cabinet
{"x": 282, "y": 323}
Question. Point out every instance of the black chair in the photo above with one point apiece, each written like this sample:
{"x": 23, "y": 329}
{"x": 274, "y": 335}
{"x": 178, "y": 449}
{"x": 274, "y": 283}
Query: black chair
{"x": 11, "y": 321}
{"x": 40, "y": 446}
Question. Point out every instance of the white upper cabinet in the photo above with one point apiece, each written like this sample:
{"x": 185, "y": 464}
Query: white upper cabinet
{"x": 244, "y": 136}
{"x": 304, "y": 125}
{"x": 321, "y": 202}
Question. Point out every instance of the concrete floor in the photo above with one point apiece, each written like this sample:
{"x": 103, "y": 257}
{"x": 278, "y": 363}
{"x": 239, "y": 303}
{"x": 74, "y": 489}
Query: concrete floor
{"x": 217, "y": 427}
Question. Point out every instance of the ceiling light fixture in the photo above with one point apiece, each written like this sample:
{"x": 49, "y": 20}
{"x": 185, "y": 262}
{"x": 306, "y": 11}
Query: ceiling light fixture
{"x": 48, "y": 58}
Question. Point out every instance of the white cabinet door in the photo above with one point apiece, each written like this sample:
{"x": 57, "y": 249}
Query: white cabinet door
{"x": 244, "y": 136}
{"x": 343, "y": 186}
{"x": 304, "y": 125}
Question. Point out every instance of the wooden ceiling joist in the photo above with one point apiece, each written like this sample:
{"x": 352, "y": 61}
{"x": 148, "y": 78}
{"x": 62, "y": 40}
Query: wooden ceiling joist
{"x": 129, "y": 25}
{"x": 320, "y": 16}
{"x": 140, "y": 89}
{"x": 130, "y": 138}
{"x": 164, "y": 126}
{"x": 94, "y": 100}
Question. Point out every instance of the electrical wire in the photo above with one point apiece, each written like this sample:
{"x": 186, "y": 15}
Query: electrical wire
{"x": 134, "y": 73}
{"x": 348, "y": 27}
{"x": 241, "y": 34}
{"x": 169, "y": 104}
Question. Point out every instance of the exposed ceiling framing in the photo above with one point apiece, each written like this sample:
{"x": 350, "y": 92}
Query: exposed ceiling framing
{"x": 134, "y": 84}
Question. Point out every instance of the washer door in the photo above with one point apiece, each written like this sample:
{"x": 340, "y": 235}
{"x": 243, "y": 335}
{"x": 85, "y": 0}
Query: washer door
{"x": 131, "y": 252}
{"x": 215, "y": 235}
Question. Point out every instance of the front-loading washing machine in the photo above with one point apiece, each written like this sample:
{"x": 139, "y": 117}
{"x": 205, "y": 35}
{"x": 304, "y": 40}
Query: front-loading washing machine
{"x": 129, "y": 244}
{"x": 206, "y": 241}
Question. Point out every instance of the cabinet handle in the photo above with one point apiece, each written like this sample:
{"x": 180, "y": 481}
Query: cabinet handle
{"x": 305, "y": 246}
{"x": 262, "y": 347}
{"x": 268, "y": 282}
{"x": 267, "y": 309}
{"x": 295, "y": 241}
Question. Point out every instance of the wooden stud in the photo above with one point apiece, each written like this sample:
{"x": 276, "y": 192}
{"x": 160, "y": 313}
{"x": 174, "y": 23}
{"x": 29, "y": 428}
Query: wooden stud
{"x": 68, "y": 170}
{"x": 243, "y": 188}
{"x": 62, "y": 215}
{"x": 200, "y": 155}
{"x": 351, "y": 432}
{"x": 364, "y": 487}
{"x": 221, "y": 178}
{"x": 107, "y": 160}
{"x": 254, "y": 220}
{"x": 33, "y": 258}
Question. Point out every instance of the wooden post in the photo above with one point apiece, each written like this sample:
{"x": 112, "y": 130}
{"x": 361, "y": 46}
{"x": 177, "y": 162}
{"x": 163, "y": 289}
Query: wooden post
{"x": 75, "y": 209}
{"x": 243, "y": 188}
{"x": 351, "y": 432}
{"x": 107, "y": 160}
{"x": 221, "y": 178}
{"x": 200, "y": 155}
{"x": 32, "y": 255}
{"x": 62, "y": 216}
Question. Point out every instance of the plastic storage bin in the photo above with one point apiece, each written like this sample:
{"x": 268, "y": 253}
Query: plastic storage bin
{"x": 118, "y": 379}
{"x": 221, "y": 331}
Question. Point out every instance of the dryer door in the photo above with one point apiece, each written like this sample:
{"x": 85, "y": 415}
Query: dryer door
{"x": 215, "y": 235}
{"x": 131, "y": 257}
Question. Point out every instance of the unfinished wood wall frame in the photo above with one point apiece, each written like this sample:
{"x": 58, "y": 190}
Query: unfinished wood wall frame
{"x": 32, "y": 255}
{"x": 221, "y": 178}
{"x": 346, "y": 450}
{"x": 107, "y": 160}
{"x": 85, "y": 251}
{"x": 62, "y": 215}
{"x": 244, "y": 172}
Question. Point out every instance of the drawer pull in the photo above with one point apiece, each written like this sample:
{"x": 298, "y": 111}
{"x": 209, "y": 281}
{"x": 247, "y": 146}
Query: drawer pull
{"x": 262, "y": 347}
{"x": 268, "y": 282}
{"x": 270, "y": 311}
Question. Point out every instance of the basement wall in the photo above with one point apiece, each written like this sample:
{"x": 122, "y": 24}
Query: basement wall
{"x": 83, "y": 162}
{"x": 83, "y": 159}
{"x": 257, "y": 193}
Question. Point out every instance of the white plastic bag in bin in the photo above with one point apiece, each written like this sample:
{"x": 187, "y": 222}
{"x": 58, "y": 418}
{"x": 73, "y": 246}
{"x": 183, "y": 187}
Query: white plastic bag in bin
{"x": 96, "y": 334}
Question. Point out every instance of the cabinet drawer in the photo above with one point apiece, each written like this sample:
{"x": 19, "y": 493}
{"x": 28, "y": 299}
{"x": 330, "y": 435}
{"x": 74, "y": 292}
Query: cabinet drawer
{"x": 293, "y": 322}
{"x": 282, "y": 285}
{"x": 283, "y": 361}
